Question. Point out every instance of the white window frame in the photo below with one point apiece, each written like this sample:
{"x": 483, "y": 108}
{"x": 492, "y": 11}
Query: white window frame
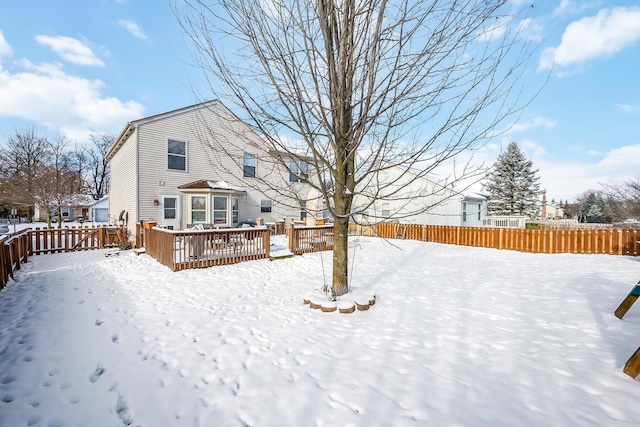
{"x": 249, "y": 156}
{"x": 177, "y": 155}
{"x": 386, "y": 210}
{"x": 298, "y": 171}
{"x": 218, "y": 222}
{"x": 235, "y": 211}
{"x": 464, "y": 211}
{"x": 191, "y": 210}
{"x": 266, "y": 206}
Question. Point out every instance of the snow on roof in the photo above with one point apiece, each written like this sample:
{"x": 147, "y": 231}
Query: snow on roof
{"x": 211, "y": 185}
{"x": 223, "y": 185}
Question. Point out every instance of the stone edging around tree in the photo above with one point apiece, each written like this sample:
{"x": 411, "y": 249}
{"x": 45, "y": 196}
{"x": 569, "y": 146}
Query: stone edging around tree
{"x": 347, "y": 303}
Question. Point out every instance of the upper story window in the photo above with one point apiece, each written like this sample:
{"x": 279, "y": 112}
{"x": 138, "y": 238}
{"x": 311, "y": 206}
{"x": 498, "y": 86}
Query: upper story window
{"x": 248, "y": 165}
{"x": 177, "y": 155}
{"x": 299, "y": 171}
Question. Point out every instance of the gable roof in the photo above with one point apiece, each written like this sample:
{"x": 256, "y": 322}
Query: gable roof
{"x": 128, "y": 129}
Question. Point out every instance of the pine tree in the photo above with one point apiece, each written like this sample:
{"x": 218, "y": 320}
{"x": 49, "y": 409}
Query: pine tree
{"x": 594, "y": 205}
{"x": 513, "y": 185}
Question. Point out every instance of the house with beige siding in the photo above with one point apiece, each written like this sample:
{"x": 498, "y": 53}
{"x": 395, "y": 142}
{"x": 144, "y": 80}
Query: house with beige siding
{"x": 409, "y": 197}
{"x": 200, "y": 164}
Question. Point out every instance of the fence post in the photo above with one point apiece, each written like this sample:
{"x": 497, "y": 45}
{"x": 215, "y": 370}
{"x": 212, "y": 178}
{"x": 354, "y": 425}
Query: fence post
{"x": 291, "y": 237}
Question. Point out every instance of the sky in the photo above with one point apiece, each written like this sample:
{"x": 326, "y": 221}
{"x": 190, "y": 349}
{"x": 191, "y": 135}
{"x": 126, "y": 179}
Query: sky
{"x": 77, "y": 67}
{"x": 92, "y": 340}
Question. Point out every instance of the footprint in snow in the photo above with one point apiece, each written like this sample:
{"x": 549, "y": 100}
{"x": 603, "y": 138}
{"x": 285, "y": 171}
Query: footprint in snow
{"x": 97, "y": 373}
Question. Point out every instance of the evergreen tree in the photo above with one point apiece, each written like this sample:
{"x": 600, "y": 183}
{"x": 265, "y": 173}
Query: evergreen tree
{"x": 594, "y": 205}
{"x": 513, "y": 185}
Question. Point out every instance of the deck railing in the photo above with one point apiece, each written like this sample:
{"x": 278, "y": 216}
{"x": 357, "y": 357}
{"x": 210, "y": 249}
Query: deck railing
{"x": 590, "y": 241}
{"x": 14, "y": 250}
{"x": 70, "y": 239}
{"x": 504, "y": 221}
{"x": 304, "y": 239}
{"x": 183, "y": 249}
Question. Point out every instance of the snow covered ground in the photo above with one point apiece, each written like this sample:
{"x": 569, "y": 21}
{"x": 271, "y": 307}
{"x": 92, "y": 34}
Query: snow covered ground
{"x": 459, "y": 336}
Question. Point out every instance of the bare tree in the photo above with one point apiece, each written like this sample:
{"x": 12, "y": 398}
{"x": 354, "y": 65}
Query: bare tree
{"x": 359, "y": 88}
{"x": 21, "y": 159}
{"x": 97, "y": 164}
{"x": 624, "y": 197}
{"x": 60, "y": 181}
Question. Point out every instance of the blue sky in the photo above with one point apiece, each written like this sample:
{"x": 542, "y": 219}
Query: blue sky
{"x": 81, "y": 66}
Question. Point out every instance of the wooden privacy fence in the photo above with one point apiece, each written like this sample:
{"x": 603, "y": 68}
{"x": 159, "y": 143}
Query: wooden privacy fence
{"x": 14, "y": 250}
{"x": 591, "y": 241}
{"x": 185, "y": 249}
{"x": 70, "y": 239}
{"x": 310, "y": 239}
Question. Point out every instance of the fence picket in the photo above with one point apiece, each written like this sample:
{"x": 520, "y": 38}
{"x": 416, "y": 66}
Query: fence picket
{"x": 550, "y": 241}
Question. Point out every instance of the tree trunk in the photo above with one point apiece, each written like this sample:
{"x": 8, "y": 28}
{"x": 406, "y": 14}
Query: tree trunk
{"x": 340, "y": 283}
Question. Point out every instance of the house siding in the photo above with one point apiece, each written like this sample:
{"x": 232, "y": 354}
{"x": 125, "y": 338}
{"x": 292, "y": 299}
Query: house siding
{"x": 123, "y": 188}
{"x": 413, "y": 200}
{"x": 193, "y": 127}
{"x": 472, "y": 211}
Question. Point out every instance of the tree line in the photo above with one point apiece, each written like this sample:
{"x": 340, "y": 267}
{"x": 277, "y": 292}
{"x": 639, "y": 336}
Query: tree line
{"x": 50, "y": 172}
{"x": 514, "y": 189}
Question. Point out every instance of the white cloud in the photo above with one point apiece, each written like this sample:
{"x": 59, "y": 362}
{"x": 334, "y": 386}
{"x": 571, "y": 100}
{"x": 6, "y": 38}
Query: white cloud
{"x": 531, "y": 29}
{"x": 47, "y": 95}
{"x": 536, "y": 122}
{"x": 568, "y": 179}
{"x": 628, "y": 108}
{"x": 599, "y": 36}
{"x": 70, "y": 49}
{"x": 133, "y": 28}
{"x": 562, "y": 8}
{"x": 495, "y": 30}
{"x": 5, "y": 48}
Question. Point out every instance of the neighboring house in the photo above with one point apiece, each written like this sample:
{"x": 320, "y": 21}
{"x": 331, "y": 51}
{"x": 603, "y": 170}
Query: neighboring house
{"x": 474, "y": 210}
{"x": 410, "y": 198}
{"x": 162, "y": 170}
{"x": 71, "y": 212}
{"x": 551, "y": 210}
{"x": 99, "y": 210}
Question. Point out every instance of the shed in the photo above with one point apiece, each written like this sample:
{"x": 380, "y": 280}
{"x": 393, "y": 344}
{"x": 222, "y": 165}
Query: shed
{"x": 99, "y": 210}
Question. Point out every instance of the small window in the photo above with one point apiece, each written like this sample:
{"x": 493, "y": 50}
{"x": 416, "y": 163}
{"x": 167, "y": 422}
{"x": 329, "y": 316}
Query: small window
{"x": 299, "y": 171}
{"x": 265, "y": 205}
{"x": 464, "y": 211}
{"x": 479, "y": 210}
{"x": 235, "y": 210}
{"x": 170, "y": 208}
{"x": 198, "y": 209}
{"x": 249, "y": 165}
{"x": 177, "y": 155}
{"x": 219, "y": 210}
{"x": 303, "y": 210}
{"x": 386, "y": 210}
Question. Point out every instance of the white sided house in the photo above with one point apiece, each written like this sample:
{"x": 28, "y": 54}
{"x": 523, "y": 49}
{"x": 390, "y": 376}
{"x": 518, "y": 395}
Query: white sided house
{"x": 164, "y": 169}
{"x": 409, "y": 198}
